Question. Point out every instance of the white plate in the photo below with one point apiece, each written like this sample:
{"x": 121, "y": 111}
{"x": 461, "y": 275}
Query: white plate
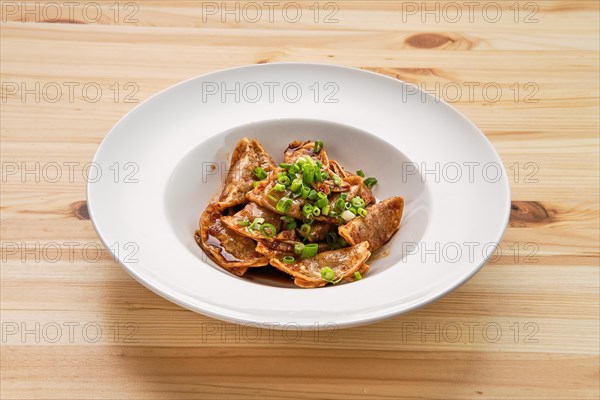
{"x": 169, "y": 153}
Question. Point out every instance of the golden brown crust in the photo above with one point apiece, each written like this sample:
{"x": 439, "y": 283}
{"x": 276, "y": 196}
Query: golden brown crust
{"x": 380, "y": 224}
{"x": 344, "y": 262}
{"x": 224, "y": 246}
{"x": 247, "y": 155}
{"x": 308, "y": 284}
{"x": 248, "y": 214}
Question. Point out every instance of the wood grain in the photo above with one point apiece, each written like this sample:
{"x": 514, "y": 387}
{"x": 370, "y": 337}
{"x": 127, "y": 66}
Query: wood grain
{"x": 76, "y": 326}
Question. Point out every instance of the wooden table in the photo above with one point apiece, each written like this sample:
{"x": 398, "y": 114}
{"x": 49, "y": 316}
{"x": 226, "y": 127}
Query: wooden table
{"x": 76, "y": 326}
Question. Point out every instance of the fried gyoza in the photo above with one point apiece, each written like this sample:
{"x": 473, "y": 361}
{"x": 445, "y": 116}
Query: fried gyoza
{"x": 247, "y": 155}
{"x": 289, "y": 216}
{"x": 240, "y": 222}
{"x": 224, "y": 246}
{"x": 344, "y": 262}
{"x": 381, "y": 222}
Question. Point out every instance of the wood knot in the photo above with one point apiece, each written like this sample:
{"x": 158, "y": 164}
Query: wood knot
{"x": 80, "y": 210}
{"x": 529, "y": 213}
{"x": 428, "y": 40}
{"x": 262, "y": 61}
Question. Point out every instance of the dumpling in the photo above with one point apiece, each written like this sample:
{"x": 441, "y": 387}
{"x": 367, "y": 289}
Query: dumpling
{"x": 247, "y": 155}
{"x": 240, "y": 221}
{"x": 378, "y": 226}
{"x": 224, "y": 246}
{"x": 307, "y": 271}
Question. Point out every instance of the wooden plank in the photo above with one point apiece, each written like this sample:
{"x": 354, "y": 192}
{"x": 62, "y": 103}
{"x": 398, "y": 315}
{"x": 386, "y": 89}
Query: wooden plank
{"x": 271, "y": 372}
{"x": 540, "y": 292}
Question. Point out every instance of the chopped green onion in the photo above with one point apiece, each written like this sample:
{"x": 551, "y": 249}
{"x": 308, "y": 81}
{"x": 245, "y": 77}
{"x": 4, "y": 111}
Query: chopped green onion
{"x": 340, "y": 205}
{"x": 298, "y": 247}
{"x": 244, "y": 222}
{"x": 316, "y": 211}
{"x": 301, "y": 161}
{"x": 304, "y": 192}
{"x": 289, "y": 260}
{"x": 360, "y": 173}
{"x": 296, "y": 185}
{"x": 312, "y": 195}
{"x": 357, "y": 202}
{"x": 272, "y": 198}
{"x": 318, "y": 177}
{"x": 285, "y": 165}
{"x": 337, "y": 180}
{"x": 342, "y": 242}
{"x": 256, "y": 223}
{"x": 284, "y": 204}
{"x": 353, "y": 210}
{"x": 260, "y": 173}
{"x": 324, "y": 176}
{"x": 325, "y": 210}
{"x": 321, "y": 203}
{"x": 348, "y": 215}
{"x": 348, "y": 205}
{"x": 294, "y": 169}
{"x": 327, "y": 273}
{"x": 344, "y": 196}
{"x": 362, "y": 212}
{"x": 307, "y": 209}
{"x": 357, "y": 276}
{"x": 310, "y": 250}
{"x": 284, "y": 180}
{"x": 255, "y": 183}
{"x": 319, "y": 164}
{"x": 268, "y": 230}
{"x": 305, "y": 230}
{"x": 308, "y": 173}
{"x": 370, "y": 182}
{"x": 279, "y": 187}
{"x": 318, "y": 146}
{"x": 309, "y": 220}
{"x": 290, "y": 222}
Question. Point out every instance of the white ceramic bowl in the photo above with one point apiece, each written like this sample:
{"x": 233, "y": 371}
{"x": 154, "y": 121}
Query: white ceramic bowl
{"x": 171, "y": 154}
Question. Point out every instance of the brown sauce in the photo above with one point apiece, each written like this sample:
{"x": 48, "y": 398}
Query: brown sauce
{"x": 213, "y": 241}
{"x": 269, "y": 275}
